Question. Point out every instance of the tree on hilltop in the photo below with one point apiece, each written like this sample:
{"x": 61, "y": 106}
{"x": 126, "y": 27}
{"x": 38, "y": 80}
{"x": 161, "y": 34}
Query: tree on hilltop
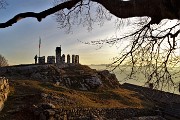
{"x": 153, "y": 43}
{"x": 3, "y": 61}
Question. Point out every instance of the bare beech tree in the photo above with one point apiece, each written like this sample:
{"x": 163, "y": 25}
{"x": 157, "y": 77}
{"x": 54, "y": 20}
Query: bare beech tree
{"x": 3, "y": 61}
{"x": 152, "y": 44}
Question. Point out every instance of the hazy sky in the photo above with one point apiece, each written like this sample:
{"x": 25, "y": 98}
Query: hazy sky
{"x": 19, "y": 43}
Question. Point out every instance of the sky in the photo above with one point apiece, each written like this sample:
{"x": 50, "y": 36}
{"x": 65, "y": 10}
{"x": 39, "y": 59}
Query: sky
{"x": 19, "y": 43}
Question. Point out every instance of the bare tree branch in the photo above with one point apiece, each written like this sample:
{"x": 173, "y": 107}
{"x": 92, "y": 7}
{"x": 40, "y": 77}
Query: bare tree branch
{"x": 152, "y": 51}
{"x": 156, "y": 9}
{"x": 41, "y": 15}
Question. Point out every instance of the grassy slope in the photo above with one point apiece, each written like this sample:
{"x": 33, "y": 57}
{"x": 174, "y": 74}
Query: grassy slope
{"x": 26, "y": 93}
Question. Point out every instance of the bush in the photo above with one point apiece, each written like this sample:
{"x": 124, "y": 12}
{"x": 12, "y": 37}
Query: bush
{"x": 3, "y": 61}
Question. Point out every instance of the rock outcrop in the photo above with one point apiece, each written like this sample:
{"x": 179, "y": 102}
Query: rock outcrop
{"x": 109, "y": 80}
{"x": 72, "y": 76}
{"x": 4, "y": 90}
{"x": 40, "y": 72}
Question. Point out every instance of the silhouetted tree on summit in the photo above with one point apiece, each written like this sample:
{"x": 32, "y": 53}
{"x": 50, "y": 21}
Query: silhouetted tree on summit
{"x": 153, "y": 43}
{"x": 3, "y": 61}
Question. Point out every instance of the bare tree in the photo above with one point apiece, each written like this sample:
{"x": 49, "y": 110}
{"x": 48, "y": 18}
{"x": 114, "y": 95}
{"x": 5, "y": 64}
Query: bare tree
{"x": 3, "y": 61}
{"x": 84, "y": 13}
{"x": 152, "y": 50}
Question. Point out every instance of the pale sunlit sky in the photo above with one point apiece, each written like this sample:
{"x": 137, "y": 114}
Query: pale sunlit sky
{"x": 19, "y": 43}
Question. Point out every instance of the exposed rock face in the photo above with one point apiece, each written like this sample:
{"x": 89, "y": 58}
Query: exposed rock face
{"x": 86, "y": 82}
{"x": 4, "y": 90}
{"x": 96, "y": 79}
{"x": 40, "y": 72}
{"x": 109, "y": 80}
{"x": 73, "y": 76}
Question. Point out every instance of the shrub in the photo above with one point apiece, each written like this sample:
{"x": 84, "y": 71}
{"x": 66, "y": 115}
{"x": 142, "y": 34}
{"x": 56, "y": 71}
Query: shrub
{"x": 3, "y": 61}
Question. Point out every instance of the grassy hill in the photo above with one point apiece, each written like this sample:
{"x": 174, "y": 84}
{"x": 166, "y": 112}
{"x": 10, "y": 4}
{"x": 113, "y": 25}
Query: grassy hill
{"x": 26, "y": 94}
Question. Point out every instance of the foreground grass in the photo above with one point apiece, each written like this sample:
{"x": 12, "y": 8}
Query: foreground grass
{"x": 27, "y": 93}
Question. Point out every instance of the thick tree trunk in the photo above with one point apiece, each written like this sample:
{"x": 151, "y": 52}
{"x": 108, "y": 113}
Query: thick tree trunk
{"x": 156, "y": 9}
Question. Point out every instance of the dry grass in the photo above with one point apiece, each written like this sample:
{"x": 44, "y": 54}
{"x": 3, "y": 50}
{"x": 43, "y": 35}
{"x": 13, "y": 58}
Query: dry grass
{"x": 114, "y": 98}
{"x": 26, "y": 93}
{"x": 23, "y": 95}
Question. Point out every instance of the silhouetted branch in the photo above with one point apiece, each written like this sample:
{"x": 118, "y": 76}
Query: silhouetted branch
{"x": 157, "y": 10}
{"x": 152, "y": 52}
{"x": 41, "y": 15}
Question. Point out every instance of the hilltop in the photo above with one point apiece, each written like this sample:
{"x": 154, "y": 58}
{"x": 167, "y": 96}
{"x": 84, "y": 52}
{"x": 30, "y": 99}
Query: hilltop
{"x": 34, "y": 89}
{"x": 74, "y": 76}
